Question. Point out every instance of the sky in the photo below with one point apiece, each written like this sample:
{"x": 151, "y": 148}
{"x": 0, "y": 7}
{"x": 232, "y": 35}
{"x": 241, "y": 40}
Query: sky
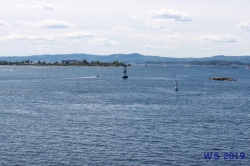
{"x": 167, "y": 28}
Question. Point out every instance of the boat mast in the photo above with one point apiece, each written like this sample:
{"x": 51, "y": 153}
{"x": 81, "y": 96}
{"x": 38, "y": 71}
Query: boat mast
{"x": 125, "y": 71}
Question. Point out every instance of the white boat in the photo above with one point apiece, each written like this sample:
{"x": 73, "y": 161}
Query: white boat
{"x": 187, "y": 66}
{"x": 144, "y": 64}
{"x": 247, "y": 67}
{"x": 234, "y": 66}
{"x": 165, "y": 64}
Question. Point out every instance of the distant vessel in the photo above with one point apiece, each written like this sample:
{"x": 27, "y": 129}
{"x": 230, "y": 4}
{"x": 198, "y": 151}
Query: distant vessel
{"x": 125, "y": 72}
{"x": 165, "y": 64}
{"x": 176, "y": 88}
{"x": 188, "y": 66}
{"x": 247, "y": 67}
{"x": 234, "y": 66}
{"x": 144, "y": 64}
{"x": 174, "y": 74}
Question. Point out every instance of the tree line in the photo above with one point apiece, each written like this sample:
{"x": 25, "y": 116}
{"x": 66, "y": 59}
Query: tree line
{"x": 84, "y": 62}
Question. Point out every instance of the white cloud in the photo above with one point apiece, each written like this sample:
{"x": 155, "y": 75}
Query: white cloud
{"x": 27, "y": 37}
{"x": 45, "y": 46}
{"x": 26, "y": 23}
{"x": 149, "y": 47}
{"x": 136, "y": 17}
{"x": 218, "y": 38}
{"x": 173, "y": 36}
{"x": 48, "y": 24}
{"x": 162, "y": 37}
{"x": 134, "y": 42}
{"x": 43, "y": 37}
{"x": 120, "y": 28}
{"x": 4, "y": 23}
{"x": 47, "y": 37}
{"x": 13, "y": 37}
{"x": 45, "y": 7}
{"x": 161, "y": 19}
{"x": 204, "y": 49}
{"x": 142, "y": 35}
{"x": 79, "y": 34}
{"x": 75, "y": 41}
{"x": 48, "y": 47}
{"x": 20, "y": 7}
{"x": 102, "y": 41}
{"x": 245, "y": 25}
{"x": 170, "y": 47}
{"x": 54, "y": 24}
{"x": 158, "y": 24}
{"x": 169, "y": 14}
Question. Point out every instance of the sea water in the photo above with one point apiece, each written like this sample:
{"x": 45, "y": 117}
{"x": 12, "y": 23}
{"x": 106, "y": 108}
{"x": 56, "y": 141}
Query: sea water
{"x": 68, "y": 116}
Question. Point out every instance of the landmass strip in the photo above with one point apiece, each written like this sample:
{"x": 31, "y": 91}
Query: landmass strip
{"x": 84, "y": 62}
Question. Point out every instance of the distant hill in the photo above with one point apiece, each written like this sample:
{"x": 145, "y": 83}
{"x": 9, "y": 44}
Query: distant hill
{"x": 126, "y": 58}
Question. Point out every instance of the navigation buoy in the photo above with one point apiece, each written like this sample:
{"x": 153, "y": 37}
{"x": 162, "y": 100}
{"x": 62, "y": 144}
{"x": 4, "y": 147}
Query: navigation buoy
{"x": 125, "y": 72}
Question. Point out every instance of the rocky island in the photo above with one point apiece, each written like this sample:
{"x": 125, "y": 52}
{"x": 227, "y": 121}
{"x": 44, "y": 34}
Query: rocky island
{"x": 222, "y": 79}
{"x": 70, "y": 62}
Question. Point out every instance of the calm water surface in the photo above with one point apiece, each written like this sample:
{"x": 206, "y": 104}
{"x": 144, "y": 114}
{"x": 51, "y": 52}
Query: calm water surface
{"x": 67, "y": 116}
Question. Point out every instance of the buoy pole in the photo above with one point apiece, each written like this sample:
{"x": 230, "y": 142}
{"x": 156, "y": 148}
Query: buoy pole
{"x": 176, "y": 88}
{"x": 125, "y": 72}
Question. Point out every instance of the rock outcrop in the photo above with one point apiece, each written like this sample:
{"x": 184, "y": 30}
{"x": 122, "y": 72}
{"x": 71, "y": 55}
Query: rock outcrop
{"x": 222, "y": 79}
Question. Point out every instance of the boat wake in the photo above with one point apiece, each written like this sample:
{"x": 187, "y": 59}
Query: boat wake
{"x": 89, "y": 77}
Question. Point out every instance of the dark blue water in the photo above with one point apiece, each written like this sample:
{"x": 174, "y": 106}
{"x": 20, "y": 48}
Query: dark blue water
{"x": 67, "y": 116}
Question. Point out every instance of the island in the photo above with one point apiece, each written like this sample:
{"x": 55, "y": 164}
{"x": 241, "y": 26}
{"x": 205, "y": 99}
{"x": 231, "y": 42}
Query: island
{"x": 66, "y": 62}
{"x": 222, "y": 79}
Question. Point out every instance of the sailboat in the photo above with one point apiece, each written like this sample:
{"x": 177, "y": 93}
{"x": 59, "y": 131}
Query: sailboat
{"x": 165, "y": 65}
{"x": 125, "y": 72}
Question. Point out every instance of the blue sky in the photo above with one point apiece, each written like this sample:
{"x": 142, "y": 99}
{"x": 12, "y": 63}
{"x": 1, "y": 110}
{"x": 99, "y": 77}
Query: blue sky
{"x": 169, "y": 28}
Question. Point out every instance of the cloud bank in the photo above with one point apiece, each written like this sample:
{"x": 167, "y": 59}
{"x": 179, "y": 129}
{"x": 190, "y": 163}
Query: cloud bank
{"x": 4, "y": 23}
{"x": 45, "y": 7}
{"x": 48, "y": 24}
{"x": 219, "y": 38}
{"x": 245, "y": 25}
{"x": 120, "y": 28}
{"x": 149, "y": 47}
{"x": 102, "y": 41}
{"x": 79, "y": 34}
{"x": 169, "y": 14}
{"x": 160, "y": 19}
{"x": 158, "y": 24}
{"x": 47, "y": 37}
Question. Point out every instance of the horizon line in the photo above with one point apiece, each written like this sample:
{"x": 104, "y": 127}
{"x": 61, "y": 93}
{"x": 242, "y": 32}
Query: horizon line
{"x": 119, "y": 54}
